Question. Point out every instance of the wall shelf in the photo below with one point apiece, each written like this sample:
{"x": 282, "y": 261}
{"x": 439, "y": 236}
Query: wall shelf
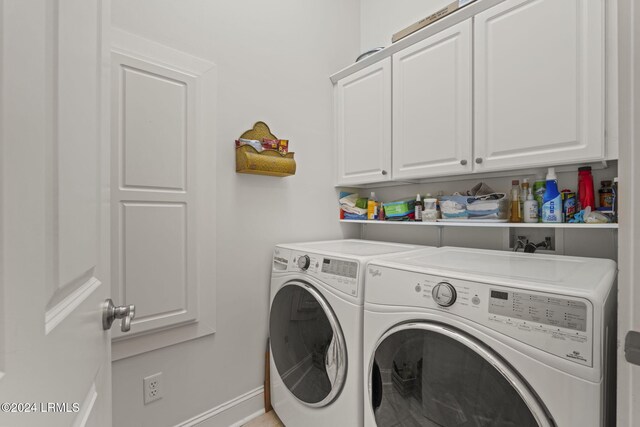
{"x": 484, "y": 224}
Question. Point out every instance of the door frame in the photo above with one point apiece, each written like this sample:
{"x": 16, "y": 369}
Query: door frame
{"x": 628, "y": 389}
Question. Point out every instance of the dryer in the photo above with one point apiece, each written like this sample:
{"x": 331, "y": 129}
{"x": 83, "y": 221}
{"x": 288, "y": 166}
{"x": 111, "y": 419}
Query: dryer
{"x": 465, "y": 337}
{"x": 315, "y": 329}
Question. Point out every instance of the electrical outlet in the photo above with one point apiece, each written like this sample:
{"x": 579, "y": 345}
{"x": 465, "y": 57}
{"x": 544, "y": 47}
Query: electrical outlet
{"x": 152, "y": 387}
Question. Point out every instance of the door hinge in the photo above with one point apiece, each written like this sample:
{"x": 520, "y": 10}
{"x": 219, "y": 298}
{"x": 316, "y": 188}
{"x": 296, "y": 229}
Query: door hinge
{"x": 632, "y": 347}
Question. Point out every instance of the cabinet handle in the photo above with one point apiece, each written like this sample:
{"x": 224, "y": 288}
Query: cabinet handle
{"x": 478, "y": 160}
{"x": 463, "y": 162}
{"x": 384, "y": 172}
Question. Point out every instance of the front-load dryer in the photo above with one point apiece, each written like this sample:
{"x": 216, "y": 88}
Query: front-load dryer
{"x": 464, "y": 337}
{"x": 315, "y": 329}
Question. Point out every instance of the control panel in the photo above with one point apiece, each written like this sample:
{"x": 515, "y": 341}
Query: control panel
{"x": 556, "y": 324}
{"x": 545, "y": 309}
{"x": 340, "y": 274}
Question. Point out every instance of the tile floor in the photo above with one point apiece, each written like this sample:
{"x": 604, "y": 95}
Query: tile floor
{"x": 267, "y": 420}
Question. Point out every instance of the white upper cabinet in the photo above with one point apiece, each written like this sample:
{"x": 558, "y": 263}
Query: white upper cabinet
{"x": 363, "y": 119}
{"x": 539, "y": 83}
{"x": 432, "y": 105}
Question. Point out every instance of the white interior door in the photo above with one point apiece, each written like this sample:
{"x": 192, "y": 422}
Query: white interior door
{"x": 54, "y": 354}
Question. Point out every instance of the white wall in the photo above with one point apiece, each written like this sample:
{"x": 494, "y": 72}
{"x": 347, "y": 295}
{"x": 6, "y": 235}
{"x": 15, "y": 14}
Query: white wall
{"x": 380, "y": 19}
{"x": 273, "y": 60}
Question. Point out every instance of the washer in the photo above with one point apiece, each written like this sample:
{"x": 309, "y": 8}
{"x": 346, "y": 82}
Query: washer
{"x": 315, "y": 330}
{"x": 464, "y": 337}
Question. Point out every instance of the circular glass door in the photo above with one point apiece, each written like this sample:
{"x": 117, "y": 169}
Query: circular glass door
{"x": 426, "y": 374}
{"x": 307, "y": 344}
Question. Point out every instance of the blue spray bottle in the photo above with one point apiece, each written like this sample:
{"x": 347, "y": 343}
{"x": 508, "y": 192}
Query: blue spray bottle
{"x": 552, "y": 202}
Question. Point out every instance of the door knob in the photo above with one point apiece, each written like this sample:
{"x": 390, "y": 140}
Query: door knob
{"x": 110, "y": 313}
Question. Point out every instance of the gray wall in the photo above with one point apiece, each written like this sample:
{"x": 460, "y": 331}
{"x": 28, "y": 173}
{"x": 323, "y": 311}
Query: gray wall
{"x": 274, "y": 60}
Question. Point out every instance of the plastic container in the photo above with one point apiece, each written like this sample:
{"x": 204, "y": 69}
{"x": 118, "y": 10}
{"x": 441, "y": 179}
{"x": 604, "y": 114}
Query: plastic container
{"x": 530, "y": 208}
{"x": 552, "y": 201}
{"x": 524, "y": 193}
{"x": 539, "y": 187}
{"x": 372, "y": 207}
{"x": 399, "y": 209}
{"x": 418, "y": 209}
{"x": 430, "y": 212}
{"x": 615, "y": 199}
{"x": 586, "y": 195}
{"x": 469, "y": 207}
{"x": 569, "y": 205}
{"x": 606, "y": 194}
{"x": 516, "y": 212}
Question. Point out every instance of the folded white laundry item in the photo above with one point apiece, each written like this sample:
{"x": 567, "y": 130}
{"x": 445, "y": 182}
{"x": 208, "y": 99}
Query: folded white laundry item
{"x": 348, "y": 204}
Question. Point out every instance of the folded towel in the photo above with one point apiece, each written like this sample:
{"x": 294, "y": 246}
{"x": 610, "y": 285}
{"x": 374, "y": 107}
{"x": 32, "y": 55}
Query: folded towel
{"x": 348, "y": 205}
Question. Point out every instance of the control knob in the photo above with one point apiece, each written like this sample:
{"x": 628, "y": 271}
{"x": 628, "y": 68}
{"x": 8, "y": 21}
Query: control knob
{"x": 303, "y": 262}
{"x": 444, "y": 294}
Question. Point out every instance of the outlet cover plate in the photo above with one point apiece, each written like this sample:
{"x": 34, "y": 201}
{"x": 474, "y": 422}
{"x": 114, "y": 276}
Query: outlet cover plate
{"x": 152, "y": 387}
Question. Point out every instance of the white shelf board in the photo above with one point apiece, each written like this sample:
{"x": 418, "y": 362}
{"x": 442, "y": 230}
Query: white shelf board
{"x": 484, "y": 224}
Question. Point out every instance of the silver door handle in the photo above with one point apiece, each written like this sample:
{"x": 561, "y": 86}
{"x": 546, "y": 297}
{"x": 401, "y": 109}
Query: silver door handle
{"x": 110, "y": 313}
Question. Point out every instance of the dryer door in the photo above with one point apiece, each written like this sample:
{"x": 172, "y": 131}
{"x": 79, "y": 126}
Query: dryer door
{"x": 307, "y": 345}
{"x": 427, "y": 374}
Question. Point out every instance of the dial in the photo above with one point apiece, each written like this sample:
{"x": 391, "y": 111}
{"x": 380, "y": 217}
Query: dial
{"x": 304, "y": 262}
{"x": 444, "y": 294}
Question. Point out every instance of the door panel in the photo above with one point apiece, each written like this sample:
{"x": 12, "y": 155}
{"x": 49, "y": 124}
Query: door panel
{"x": 363, "y": 118}
{"x": 55, "y": 216}
{"x": 307, "y": 344}
{"x": 425, "y": 374}
{"x": 432, "y": 104}
{"x": 155, "y": 150}
{"x": 539, "y": 83}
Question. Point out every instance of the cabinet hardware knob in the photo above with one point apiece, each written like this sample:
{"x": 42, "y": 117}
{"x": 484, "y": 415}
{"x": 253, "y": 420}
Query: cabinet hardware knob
{"x": 463, "y": 162}
{"x": 384, "y": 172}
{"x": 479, "y": 160}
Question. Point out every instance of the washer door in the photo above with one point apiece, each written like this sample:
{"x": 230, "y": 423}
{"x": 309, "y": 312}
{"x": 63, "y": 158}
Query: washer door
{"x": 307, "y": 344}
{"x": 427, "y": 374}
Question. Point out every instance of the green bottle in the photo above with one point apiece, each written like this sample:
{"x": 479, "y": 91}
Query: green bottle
{"x": 539, "y": 187}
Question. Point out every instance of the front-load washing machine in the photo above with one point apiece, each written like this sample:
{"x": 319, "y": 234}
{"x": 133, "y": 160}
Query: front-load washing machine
{"x": 315, "y": 330}
{"x": 464, "y": 337}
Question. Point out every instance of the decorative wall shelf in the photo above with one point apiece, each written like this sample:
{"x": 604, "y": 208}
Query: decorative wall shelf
{"x": 266, "y": 162}
{"x": 485, "y": 224}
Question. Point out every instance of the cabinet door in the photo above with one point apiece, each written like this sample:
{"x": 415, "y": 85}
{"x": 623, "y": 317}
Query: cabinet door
{"x": 363, "y": 109}
{"x": 539, "y": 83}
{"x": 432, "y": 105}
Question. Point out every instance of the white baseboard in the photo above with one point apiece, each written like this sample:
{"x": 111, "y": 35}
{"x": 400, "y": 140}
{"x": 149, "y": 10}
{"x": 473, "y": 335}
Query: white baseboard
{"x": 234, "y": 413}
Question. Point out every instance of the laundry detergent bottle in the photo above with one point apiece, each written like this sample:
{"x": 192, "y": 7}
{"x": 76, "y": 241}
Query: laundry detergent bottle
{"x": 552, "y": 202}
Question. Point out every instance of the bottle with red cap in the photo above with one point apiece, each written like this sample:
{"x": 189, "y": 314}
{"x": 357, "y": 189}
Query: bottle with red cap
{"x": 586, "y": 195}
